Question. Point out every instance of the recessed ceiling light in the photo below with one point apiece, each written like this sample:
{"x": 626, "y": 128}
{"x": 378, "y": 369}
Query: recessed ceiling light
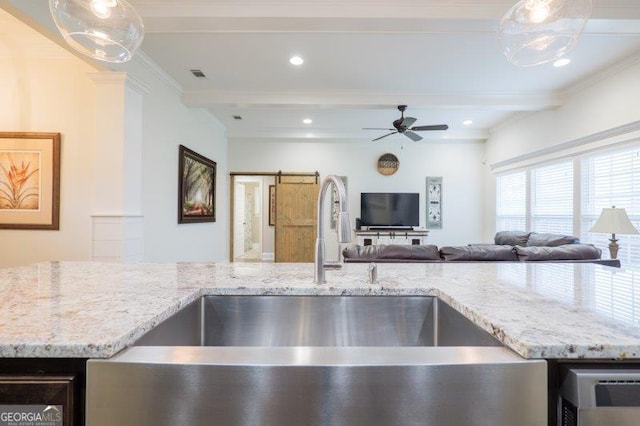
{"x": 307, "y": 121}
{"x": 467, "y": 122}
{"x": 296, "y": 60}
{"x": 561, "y": 62}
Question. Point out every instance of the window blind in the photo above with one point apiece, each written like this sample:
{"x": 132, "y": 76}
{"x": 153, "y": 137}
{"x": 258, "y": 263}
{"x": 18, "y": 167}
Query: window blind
{"x": 554, "y": 280}
{"x": 611, "y": 179}
{"x": 511, "y": 202}
{"x": 552, "y": 198}
{"x": 617, "y": 298}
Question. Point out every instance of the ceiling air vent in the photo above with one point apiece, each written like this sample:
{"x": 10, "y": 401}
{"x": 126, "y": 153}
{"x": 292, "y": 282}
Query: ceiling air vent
{"x": 198, "y": 73}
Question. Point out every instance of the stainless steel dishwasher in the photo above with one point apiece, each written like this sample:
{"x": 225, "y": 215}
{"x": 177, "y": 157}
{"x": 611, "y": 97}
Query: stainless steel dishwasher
{"x": 600, "y": 396}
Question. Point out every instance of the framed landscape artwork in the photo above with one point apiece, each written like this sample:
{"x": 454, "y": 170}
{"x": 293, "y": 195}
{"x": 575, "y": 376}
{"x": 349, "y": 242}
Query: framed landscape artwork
{"x": 196, "y": 187}
{"x": 29, "y": 180}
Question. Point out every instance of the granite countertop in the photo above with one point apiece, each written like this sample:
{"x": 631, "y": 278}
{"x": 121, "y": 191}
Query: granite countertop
{"x": 94, "y": 310}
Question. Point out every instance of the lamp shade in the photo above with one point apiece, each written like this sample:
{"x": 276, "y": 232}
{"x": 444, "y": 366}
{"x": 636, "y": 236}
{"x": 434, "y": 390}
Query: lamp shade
{"x": 108, "y": 30}
{"x": 534, "y": 32}
{"x": 613, "y": 221}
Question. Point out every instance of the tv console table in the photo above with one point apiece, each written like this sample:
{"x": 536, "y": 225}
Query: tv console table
{"x": 390, "y": 236}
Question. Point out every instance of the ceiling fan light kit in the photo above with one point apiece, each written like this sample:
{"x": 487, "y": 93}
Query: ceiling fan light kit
{"x": 535, "y": 32}
{"x": 107, "y": 30}
{"x": 403, "y": 126}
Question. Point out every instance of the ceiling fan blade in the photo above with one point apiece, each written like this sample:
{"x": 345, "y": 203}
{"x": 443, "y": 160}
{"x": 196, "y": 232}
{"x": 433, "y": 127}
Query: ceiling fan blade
{"x": 413, "y": 136}
{"x": 376, "y": 128}
{"x": 434, "y": 127}
{"x": 384, "y": 136}
{"x": 408, "y": 121}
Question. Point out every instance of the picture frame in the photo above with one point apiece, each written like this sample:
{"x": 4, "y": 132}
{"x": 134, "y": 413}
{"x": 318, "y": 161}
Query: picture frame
{"x": 434, "y": 202}
{"x": 272, "y": 205}
{"x": 196, "y": 187}
{"x": 30, "y": 180}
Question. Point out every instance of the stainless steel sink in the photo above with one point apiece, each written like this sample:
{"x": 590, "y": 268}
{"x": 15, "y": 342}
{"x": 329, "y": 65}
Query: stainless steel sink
{"x": 275, "y": 321}
{"x": 289, "y": 360}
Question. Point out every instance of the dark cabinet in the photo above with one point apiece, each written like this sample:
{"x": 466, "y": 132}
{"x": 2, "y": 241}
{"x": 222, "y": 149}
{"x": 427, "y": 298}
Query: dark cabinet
{"x": 53, "y": 388}
{"x": 51, "y": 398}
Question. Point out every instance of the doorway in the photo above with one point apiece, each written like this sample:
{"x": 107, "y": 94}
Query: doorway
{"x": 251, "y": 240}
{"x": 268, "y": 224}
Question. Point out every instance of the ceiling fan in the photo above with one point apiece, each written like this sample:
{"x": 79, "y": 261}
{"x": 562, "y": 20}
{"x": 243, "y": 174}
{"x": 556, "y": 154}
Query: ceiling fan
{"x": 402, "y": 125}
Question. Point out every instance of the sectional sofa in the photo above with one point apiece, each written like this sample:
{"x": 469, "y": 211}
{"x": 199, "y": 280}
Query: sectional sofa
{"x": 514, "y": 246}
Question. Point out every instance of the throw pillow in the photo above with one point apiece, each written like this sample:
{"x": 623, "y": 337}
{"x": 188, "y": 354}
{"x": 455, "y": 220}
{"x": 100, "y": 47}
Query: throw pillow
{"x": 550, "y": 240}
{"x": 511, "y": 238}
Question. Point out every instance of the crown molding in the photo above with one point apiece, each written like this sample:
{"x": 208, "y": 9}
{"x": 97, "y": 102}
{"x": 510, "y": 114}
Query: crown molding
{"x": 148, "y": 63}
{"x": 617, "y": 136}
{"x": 601, "y": 75}
{"x": 137, "y": 85}
{"x": 119, "y": 78}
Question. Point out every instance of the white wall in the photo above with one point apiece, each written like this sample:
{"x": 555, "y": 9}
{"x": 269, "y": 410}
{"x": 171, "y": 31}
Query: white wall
{"x": 166, "y": 124}
{"x": 608, "y": 103}
{"x": 48, "y": 89}
{"x": 460, "y": 165}
{"x": 51, "y": 94}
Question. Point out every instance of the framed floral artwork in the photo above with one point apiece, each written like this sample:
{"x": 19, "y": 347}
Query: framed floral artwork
{"x": 29, "y": 180}
{"x": 196, "y": 187}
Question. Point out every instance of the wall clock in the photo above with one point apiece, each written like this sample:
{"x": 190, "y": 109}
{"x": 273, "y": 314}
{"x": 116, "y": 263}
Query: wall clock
{"x": 388, "y": 164}
{"x": 434, "y": 202}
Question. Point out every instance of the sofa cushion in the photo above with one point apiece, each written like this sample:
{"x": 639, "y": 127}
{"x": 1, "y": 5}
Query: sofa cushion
{"x": 563, "y": 252}
{"x": 360, "y": 252}
{"x": 511, "y": 238}
{"x": 550, "y": 240}
{"x": 486, "y": 253}
{"x": 392, "y": 251}
{"x": 417, "y": 252}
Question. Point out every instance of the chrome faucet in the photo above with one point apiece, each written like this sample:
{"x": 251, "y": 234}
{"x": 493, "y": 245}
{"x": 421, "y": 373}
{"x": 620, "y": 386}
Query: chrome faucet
{"x": 373, "y": 273}
{"x": 343, "y": 225}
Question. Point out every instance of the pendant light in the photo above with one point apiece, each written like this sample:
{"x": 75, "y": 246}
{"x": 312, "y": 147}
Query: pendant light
{"x": 108, "y": 30}
{"x": 534, "y": 32}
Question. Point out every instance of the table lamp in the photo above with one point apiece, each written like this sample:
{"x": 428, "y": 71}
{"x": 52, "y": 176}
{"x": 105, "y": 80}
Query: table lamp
{"x": 613, "y": 221}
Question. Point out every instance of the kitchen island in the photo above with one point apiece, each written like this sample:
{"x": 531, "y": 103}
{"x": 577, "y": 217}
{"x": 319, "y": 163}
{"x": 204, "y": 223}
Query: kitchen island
{"x": 81, "y": 310}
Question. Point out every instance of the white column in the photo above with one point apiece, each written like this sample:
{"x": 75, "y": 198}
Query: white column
{"x": 117, "y": 220}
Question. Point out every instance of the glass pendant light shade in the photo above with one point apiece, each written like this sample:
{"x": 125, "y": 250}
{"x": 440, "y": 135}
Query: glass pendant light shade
{"x": 108, "y": 30}
{"x": 533, "y": 32}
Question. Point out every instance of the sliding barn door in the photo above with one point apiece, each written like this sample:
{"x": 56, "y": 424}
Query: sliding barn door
{"x": 296, "y": 216}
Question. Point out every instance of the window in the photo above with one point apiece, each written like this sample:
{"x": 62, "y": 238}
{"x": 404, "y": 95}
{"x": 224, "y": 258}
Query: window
{"x": 611, "y": 179}
{"x": 542, "y": 198}
{"x": 552, "y": 198}
{"x": 511, "y": 202}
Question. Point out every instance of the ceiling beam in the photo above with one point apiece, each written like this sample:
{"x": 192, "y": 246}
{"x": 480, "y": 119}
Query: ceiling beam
{"x": 372, "y": 100}
{"x": 346, "y": 135}
{"x": 422, "y": 9}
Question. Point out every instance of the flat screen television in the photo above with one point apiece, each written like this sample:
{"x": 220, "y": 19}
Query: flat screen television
{"x": 389, "y": 209}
